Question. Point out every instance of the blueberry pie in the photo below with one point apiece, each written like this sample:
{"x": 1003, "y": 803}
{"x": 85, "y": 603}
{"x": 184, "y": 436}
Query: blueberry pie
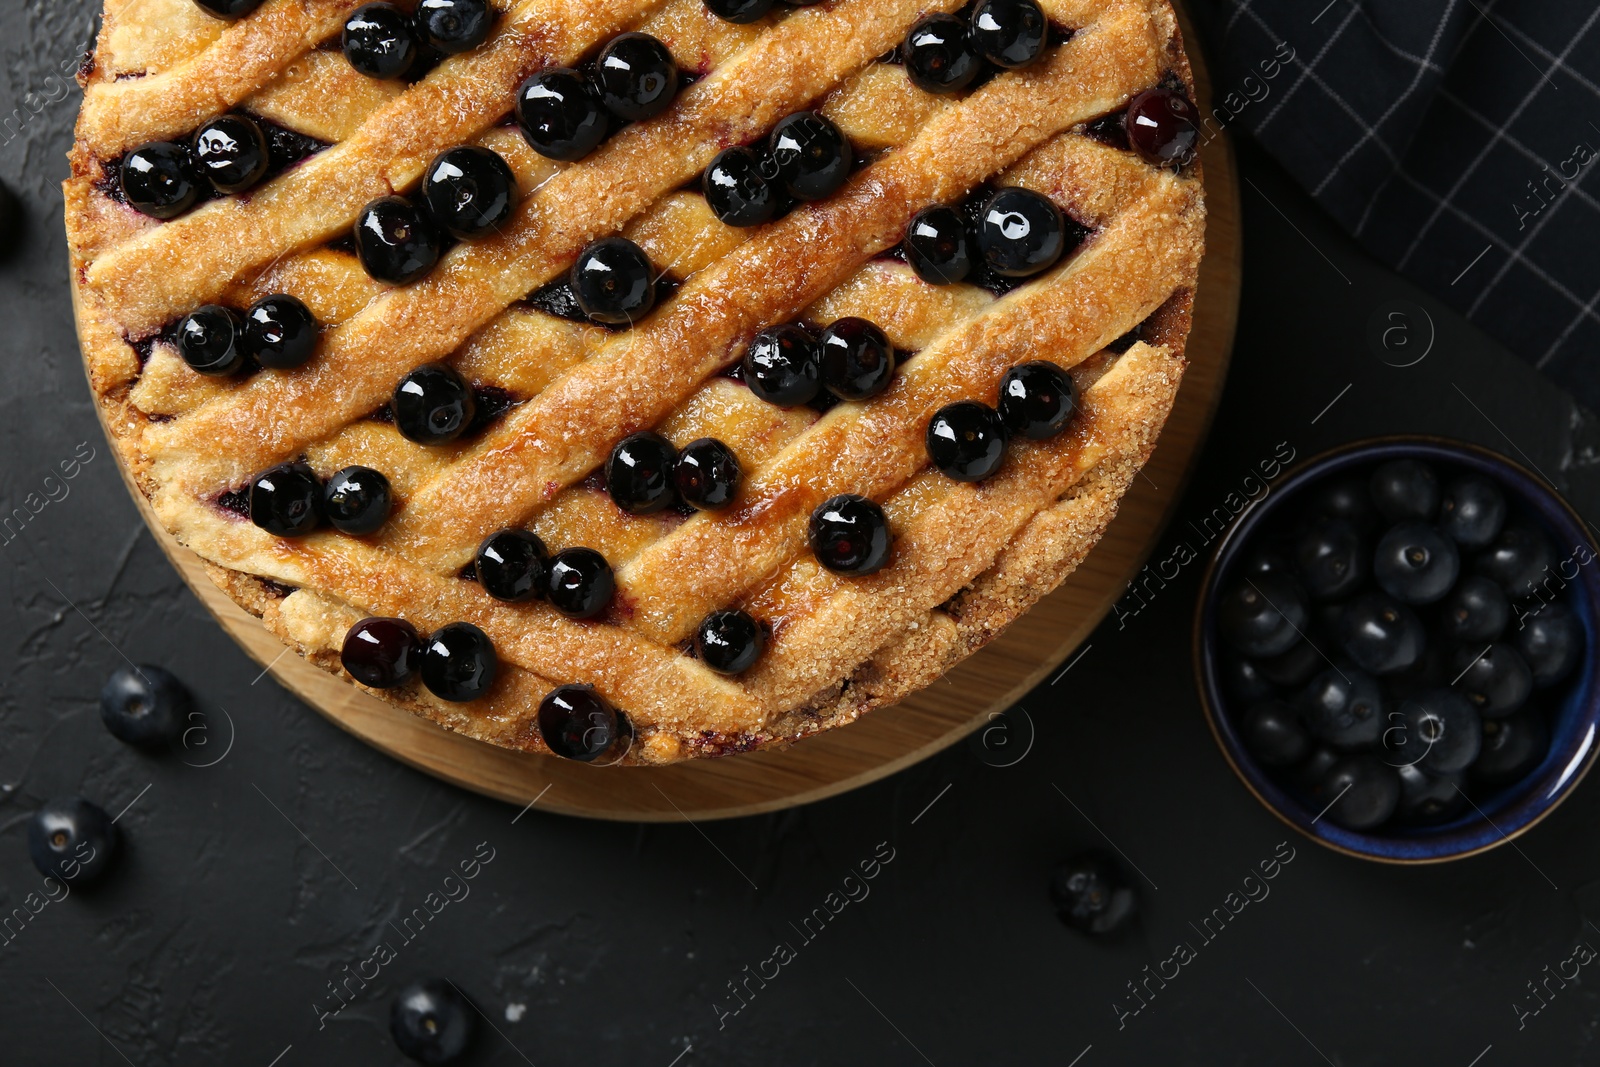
{"x": 642, "y": 380}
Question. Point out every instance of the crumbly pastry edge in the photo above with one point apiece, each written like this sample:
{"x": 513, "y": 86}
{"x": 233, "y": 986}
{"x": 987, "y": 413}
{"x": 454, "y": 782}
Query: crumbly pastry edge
{"x": 1047, "y": 549}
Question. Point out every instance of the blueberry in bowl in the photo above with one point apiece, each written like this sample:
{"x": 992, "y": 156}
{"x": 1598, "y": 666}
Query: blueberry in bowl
{"x": 1449, "y": 599}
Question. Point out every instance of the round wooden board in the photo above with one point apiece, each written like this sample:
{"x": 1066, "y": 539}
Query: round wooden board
{"x": 883, "y": 741}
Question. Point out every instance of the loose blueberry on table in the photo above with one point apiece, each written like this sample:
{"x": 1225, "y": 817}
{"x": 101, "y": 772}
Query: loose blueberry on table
{"x": 432, "y": 1022}
{"x": 1428, "y": 688}
{"x": 1091, "y": 894}
{"x": 73, "y": 840}
{"x": 145, "y": 706}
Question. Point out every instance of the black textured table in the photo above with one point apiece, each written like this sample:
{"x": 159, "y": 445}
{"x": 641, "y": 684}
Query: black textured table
{"x": 253, "y": 888}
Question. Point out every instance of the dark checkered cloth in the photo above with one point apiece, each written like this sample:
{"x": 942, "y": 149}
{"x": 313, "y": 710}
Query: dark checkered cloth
{"x": 1456, "y": 139}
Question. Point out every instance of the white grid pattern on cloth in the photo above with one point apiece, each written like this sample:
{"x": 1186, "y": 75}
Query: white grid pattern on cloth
{"x": 1425, "y": 65}
{"x": 1428, "y": 118}
{"x": 1498, "y": 135}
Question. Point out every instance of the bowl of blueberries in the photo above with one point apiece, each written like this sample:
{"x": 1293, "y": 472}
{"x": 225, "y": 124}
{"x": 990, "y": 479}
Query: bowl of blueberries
{"x": 1394, "y": 648}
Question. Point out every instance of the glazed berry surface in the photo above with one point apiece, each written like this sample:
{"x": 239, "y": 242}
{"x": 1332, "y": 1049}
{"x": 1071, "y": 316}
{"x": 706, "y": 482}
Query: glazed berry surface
{"x": 1008, "y": 33}
{"x": 578, "y": 723}
{"x": 512, "y": 565}
{"x": 613, "y": 281}
{"x": 470, "y": 191}
{"x": 378, "y": 41}
{"x": 231, "y": 153}
{"x": 431, "y": 1022}
{"x": 636, "y": 76}
{"x": 396, "y": 243}
{"x": 740, "y": 12}
{"x": 966, "y": 441}
{"x": 286, "y": 501}
{"x": 1037, "y": 400}
{"x": 640, "y": 475}
{"x": 707, "y": 474}
{"x": 160, "y": 179}
{"x": 850, "y": 535}
{"x": 939, "y": 246}
{"x": 228, "y": 9}
{"x": 209, "y": 339}
{"x": 737, "y": 191}
{"x": 73, "y": 840}
{"x": 938, "y": 56}
{"x": 811, "y": 155}
{"x": 1163, "y": 127}
{"x": 729, "y": 642}
{"x": 561, "y": 115}
{"x": 579, "y": 583}
{"x": 145, "y": 706}
{"x": 458, "y": 662}
{"x": 433, "y": 405}
{"x": 280, "y": 332}
{"x": 381, "y": 653}
{"x": 1020, "y": 233}
{"x": 856, "y": 359}
{"x": 452, "y": 26}
{"x": 357, "y": 500}
{"x": 782, "y": 366}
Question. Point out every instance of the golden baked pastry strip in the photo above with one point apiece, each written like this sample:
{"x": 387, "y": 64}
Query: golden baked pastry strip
{"x": 649, "y": 679}
{"x": 562, "y": 434}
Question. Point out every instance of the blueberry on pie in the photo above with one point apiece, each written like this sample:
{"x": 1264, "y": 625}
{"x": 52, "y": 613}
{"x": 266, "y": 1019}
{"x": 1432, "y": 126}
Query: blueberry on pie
{"x": 655, "y": 379}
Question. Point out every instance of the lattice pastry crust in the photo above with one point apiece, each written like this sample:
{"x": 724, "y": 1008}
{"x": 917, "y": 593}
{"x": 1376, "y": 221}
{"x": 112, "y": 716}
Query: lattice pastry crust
{"x": 968, "y": 558}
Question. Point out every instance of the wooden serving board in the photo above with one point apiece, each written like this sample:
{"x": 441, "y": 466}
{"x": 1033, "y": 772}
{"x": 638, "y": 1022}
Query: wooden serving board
{"x": 883, "y": 741}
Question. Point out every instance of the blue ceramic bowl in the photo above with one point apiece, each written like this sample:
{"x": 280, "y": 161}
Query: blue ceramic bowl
{"x": 1574, "y": 706}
